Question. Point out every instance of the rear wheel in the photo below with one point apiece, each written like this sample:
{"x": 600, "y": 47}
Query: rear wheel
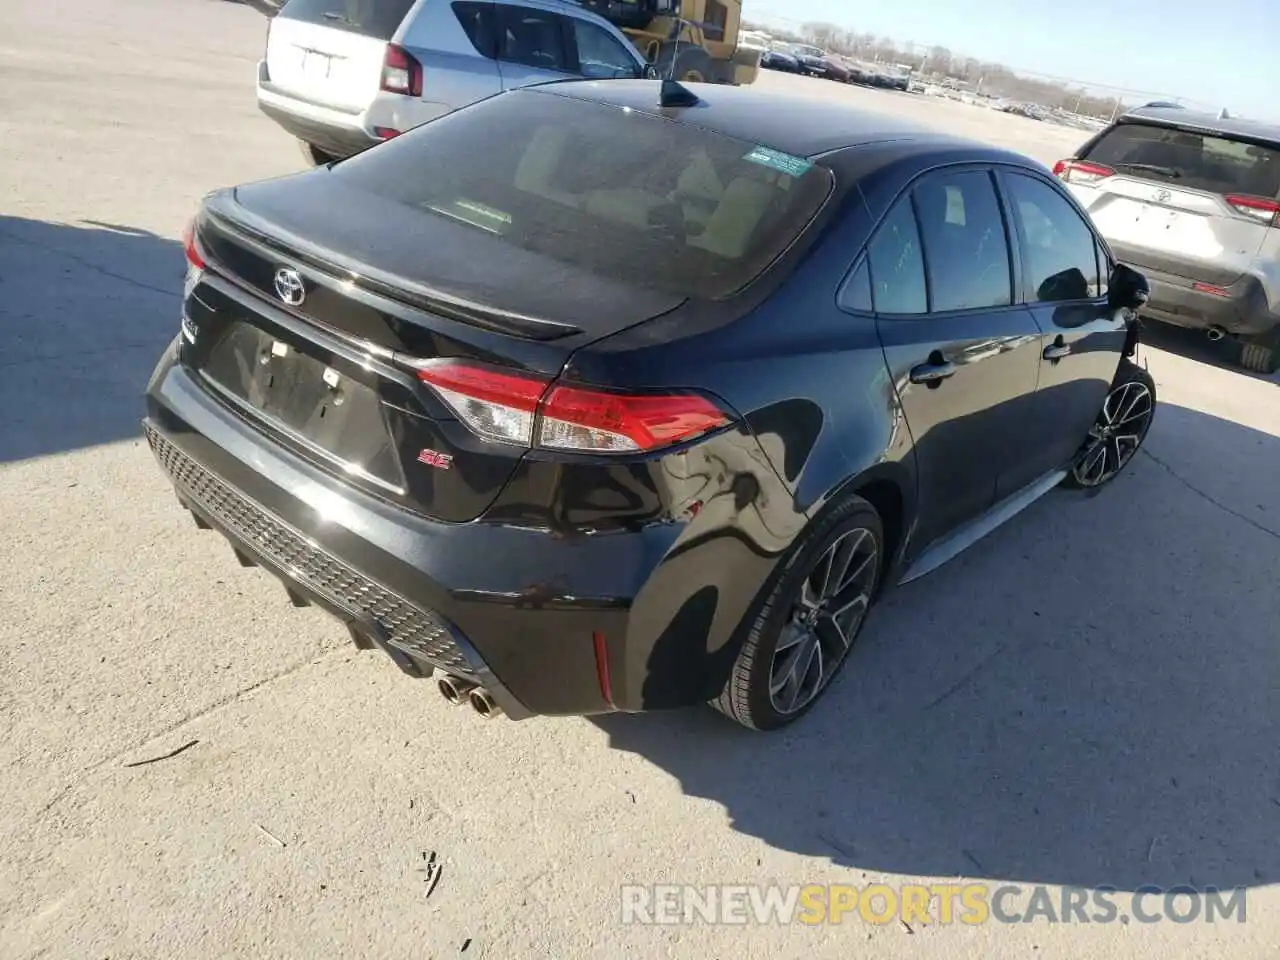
{"x": 1119, "y": 431}
{"x": 314, "y": 155}
{"x": 1262, "y": 356}
{"x": 813, "y": 614}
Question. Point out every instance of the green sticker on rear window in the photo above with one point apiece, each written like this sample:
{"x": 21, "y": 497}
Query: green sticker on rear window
{"x": 782, "y": 162}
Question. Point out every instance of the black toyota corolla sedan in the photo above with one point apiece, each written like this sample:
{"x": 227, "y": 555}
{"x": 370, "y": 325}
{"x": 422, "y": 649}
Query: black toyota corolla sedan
{"x": 620, "y": 396}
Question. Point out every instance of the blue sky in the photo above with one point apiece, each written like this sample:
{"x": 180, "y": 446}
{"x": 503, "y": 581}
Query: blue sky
{"x": 1221, "y": 53}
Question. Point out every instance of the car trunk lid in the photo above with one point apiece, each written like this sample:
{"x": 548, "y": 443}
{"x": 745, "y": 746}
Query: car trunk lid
{"x": 332, "y": 377}
{"x": 446, "y": 261}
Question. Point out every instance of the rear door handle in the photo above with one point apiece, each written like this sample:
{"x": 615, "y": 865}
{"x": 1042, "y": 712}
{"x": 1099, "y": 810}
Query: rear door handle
{"x": 1057, "y": 350}
{"x": 933, "y": 372}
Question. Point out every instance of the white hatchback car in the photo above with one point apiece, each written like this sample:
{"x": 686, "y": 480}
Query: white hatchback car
{"x": 342, "y": 75}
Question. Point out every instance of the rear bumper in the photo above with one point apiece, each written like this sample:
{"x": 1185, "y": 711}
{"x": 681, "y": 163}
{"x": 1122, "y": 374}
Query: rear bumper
{"x": 334, "y": 132}
{"x": 339, "y": 132}
{"x": 1243, "y": 311}
{"x": 520, "y": 611}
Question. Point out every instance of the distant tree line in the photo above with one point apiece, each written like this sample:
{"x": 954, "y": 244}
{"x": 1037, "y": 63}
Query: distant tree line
{"x": 940, "y": 64}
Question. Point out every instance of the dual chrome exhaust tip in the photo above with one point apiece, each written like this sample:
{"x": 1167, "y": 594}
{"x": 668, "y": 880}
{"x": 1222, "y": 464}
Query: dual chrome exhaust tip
{"x": 457, "y": 691}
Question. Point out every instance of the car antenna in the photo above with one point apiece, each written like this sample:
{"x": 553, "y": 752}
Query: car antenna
{"x": 676, "y": 94}
{"x": 673, "y": 93}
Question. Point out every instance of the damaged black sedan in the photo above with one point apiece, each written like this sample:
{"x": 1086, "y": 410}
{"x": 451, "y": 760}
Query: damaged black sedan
{"x": 623, "y": 396}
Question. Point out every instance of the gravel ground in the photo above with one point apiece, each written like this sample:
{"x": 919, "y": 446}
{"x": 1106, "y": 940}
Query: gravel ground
{"x": 1086, "y": 698}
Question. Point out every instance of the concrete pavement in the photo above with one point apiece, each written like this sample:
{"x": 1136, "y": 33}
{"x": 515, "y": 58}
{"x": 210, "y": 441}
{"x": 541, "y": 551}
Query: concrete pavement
{"x": 1086, "y": 698}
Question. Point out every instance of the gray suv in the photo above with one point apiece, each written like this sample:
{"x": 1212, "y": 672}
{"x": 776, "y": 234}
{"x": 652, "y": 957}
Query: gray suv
{"x": 341, "y": 75}
{"x": 1193, "y": 201}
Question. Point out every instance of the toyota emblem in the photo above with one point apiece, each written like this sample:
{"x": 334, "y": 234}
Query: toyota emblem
{"x": 289, "y": 287}
{"x": 1163, "y": 196}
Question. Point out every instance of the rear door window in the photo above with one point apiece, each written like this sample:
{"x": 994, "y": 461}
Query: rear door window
{"x": 379, "y": 19}
{"x": 897, "y": 264}
{"x": 965, "y": 244}
{"x": 477, "y": 20}
{"x": 856, "y": 295}
{"x": 622, "y": 194}
{"x": 1060, "y": 253}
{"x": 534, "y": 38}
{"x": 1200, "y": 161}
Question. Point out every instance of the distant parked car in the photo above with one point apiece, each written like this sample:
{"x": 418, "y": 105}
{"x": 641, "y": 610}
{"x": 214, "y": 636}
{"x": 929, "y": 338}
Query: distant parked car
{"x": 1193, "y": 200}
{"x": 861, "y": 73}
{"x": 813, "y": 60}
{"x": 342, "y": 76}
{"x": 891, "y": 79}
{"x": 780, "y": 60}
{"x": 836, "y": 70}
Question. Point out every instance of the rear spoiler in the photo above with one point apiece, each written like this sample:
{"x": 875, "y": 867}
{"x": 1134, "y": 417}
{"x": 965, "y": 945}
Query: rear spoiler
{"x": 250, "y": 230}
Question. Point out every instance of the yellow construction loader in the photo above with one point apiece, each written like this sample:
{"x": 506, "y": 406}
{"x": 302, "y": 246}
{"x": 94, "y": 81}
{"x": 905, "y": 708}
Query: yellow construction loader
{"x": 692, "y": 40}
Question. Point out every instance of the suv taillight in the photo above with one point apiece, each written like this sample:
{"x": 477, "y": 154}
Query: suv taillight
{"x": 1077, "y": 171}
{"x": 401, "y": 72}
{"x": 1258, "y": 208}
{"x": 531, "y": 411}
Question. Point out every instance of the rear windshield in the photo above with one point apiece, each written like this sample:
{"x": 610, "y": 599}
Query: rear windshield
{"x": 624, "y": 195}
{"x": 370, "y": 18}
{"x": 1189, "y": 159}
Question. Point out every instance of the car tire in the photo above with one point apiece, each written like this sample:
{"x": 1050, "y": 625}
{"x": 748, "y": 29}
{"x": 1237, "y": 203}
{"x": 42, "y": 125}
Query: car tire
{"x": 751, "y": 696}
{"x": 1119, "y": 432}
{"x": 314, "y": 155}
{"x": 1261, "y": 356}
{"x": 693, "y": 64}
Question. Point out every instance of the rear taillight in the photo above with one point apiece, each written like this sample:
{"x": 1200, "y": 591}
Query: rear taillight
{"x": 577, "y": 418}
{"x": 1077, "y": 171}
{"x": 195, "y": 265}
{"x": 195, "y": 257}
{"x": 529, "y": 411}
{"x": 401, "y": 72}
{"x": 493, "y": 404}
{"x": 1258, "y": 208}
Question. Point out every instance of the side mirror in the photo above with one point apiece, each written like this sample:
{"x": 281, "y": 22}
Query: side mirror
{"x": 1128, "y": 288}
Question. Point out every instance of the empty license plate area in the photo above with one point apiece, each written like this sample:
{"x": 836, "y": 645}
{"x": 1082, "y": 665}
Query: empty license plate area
{"x": 298, "y": 391}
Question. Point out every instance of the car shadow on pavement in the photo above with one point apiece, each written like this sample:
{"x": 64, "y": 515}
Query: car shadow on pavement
{"x": 1195, "y": 345}
{"x": 85, "y": 311}
{"x": 1086, "y": 698}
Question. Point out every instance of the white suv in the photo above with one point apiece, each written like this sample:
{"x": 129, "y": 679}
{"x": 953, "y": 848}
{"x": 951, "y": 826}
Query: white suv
{"x": 1193, "y": 201}
{"x": 341, "y": 75}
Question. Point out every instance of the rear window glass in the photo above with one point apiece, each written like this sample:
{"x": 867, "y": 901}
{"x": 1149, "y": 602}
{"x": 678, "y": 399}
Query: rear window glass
{"x": 624, "y": 195}
{"x": 476, "y": 17}
{"x": 1200, "y": 161}
{"x": 370, "y": 18}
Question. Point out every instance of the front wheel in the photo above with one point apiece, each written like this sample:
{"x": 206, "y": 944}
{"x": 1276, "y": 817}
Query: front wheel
{"x": 1119, "y": 431}
{"x": 813, "y": 614}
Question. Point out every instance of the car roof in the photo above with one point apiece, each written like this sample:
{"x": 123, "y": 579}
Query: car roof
{"x": 1206, "y": 122}
{"x": 798, "y": 125}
